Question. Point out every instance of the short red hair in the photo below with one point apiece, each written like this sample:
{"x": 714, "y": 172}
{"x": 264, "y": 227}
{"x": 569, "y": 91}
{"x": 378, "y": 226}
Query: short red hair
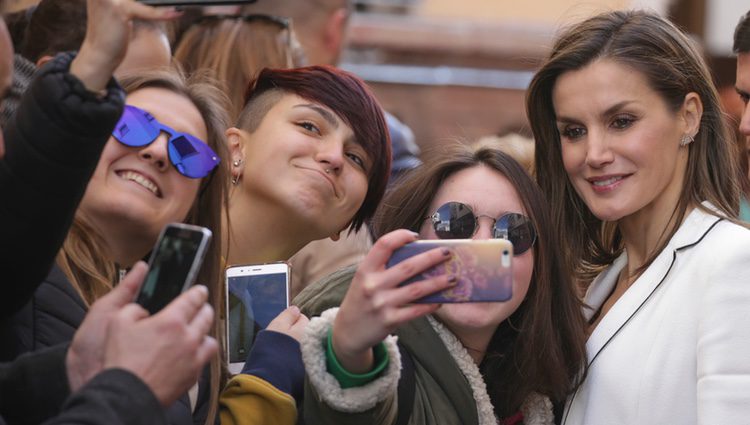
{"x": 347, "y": 96}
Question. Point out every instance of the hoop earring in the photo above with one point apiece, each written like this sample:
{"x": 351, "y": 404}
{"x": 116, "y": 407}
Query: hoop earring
{"x": 686, "y": 140}
{"x": 236, "y": 179}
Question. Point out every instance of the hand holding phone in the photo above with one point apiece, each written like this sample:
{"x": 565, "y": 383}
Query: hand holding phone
{"x": 108, "y": 32}
{"x": 167, "y": 351}
{"x": 194, "y": 2}
{"x": 290, "y": 322}
{"x": 255, "y": 295}
{"x": 482, "y": 269}
{"x": 174, "y": 264}
{"x": 375, "y": 304}
{"x": 85, "y": 357}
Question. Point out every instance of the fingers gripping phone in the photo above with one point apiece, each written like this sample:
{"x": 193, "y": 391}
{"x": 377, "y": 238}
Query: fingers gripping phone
{"x": 255, "y": 295}
{"x": 483, "y": 269}
{"x": 194, "y": 2}
{"x": 174, "y": 264}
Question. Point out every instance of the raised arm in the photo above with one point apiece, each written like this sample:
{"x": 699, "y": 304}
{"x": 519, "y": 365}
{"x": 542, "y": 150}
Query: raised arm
{"x": 53, "y": 145}
{"x": 352, "y": 364}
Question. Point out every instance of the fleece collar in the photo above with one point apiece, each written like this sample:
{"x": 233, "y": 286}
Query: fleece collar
{"x": 536, "y": 409}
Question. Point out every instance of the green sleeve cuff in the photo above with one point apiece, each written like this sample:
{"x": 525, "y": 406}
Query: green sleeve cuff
{"x": 347, "y": 379}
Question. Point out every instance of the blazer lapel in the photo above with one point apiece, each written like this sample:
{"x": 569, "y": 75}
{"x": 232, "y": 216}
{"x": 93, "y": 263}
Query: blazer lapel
{"x": 695, "y": 227}
{"x": 629, "y": 303}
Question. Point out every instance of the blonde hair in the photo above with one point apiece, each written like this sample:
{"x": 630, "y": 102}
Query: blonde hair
{"x": 86, "y": 262}
{"x": 517, "y": 146}
{"x": 84, "y": 258}
{"x": 236, "y": 50}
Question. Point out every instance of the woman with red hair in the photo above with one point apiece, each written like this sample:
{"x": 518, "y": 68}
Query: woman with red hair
{"x": 310, "y": 158}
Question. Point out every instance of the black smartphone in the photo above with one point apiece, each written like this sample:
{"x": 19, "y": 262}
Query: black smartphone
{"x": 194, "y": 2}
{"x": 255, "y": 295}
{"x": 174, "y": 263}
{"x": 483, "y": 269}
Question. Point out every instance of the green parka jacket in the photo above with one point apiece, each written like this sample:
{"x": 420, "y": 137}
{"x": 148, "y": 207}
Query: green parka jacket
{"x": 449, "y": 389}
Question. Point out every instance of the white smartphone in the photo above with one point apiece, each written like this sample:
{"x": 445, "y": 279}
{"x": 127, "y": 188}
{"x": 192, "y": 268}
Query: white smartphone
{"x": 255, "y": 295}
{"x": 174, "y": 263}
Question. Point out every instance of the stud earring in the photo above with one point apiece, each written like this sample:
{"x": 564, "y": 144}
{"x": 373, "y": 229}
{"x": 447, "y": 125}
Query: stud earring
{"x": 237, "y": 162}
{"x": 686, "y": 140}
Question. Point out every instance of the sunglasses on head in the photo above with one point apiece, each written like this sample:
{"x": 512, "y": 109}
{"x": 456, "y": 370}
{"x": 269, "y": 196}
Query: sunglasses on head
{"x": 191, "y": 156}
{"x": 280, "y": 21}
{"x": 454, "y": 220}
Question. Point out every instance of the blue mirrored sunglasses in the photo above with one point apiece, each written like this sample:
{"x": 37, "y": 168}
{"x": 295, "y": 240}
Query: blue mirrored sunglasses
{"x": 191, "y": 156}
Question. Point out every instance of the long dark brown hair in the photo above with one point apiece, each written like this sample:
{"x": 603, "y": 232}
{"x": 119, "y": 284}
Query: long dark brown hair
{"x": 673, "y": 67}
{"x": 84, "y": 258}
{"x": 544, "y": 348}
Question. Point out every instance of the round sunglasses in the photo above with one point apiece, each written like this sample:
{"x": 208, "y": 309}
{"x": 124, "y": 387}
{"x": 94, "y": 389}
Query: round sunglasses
{"x": 455, "y": 220}
{"x": 191, "y": 156}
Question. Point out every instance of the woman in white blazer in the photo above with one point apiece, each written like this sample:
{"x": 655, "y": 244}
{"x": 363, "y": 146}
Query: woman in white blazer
{"x": 634, "y": 154}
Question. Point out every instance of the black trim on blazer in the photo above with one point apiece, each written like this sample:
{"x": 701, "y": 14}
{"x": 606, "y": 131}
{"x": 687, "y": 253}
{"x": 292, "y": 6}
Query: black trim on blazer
{"x": 674, "y": 257}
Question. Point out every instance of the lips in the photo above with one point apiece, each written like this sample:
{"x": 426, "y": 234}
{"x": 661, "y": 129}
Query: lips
{"x": 325, "y": 176}
{"x": 606, "y": 183}
{"x": 141, "y": 179}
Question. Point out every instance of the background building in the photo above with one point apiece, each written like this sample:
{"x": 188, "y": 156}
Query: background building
{"x": 459, "y": 68}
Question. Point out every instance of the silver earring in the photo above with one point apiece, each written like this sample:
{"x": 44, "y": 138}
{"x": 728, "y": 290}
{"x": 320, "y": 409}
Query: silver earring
{"x": 237, "y": 163}
{"x": 686, "y": 140}
{"x": 328, "y": 171}
{"x": 235, "y": 180}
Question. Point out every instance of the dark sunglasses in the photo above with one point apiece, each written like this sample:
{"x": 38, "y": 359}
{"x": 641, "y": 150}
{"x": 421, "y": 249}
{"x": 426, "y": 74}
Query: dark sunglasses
{"x": 190, "y": 156}
{"x": 454, "y": 220}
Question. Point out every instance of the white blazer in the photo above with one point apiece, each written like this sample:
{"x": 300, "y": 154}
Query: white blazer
{"x": 675, "y": 348}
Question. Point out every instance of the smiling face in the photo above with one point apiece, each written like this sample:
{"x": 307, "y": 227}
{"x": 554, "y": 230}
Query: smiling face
{"x": 137, "y": 191}
{"x": 489, "y": 194}
{"x": 620, "y": 142}
{"x": 305, "y": 160}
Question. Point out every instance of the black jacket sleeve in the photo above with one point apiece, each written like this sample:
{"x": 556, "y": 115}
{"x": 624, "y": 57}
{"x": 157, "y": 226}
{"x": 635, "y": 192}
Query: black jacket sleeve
{"x": 53, "y": 144}
{"x": 34, "y": 387}
{"x": 112, "y": 397}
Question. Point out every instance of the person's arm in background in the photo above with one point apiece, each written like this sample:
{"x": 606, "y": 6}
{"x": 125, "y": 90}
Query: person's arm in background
{"x": 271, "y": 383}
{"x": 34, "y": 387}
{"x": 53, "y": 144}
{"x": 122, "y": 366}
{"x": 351, "y": 359}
